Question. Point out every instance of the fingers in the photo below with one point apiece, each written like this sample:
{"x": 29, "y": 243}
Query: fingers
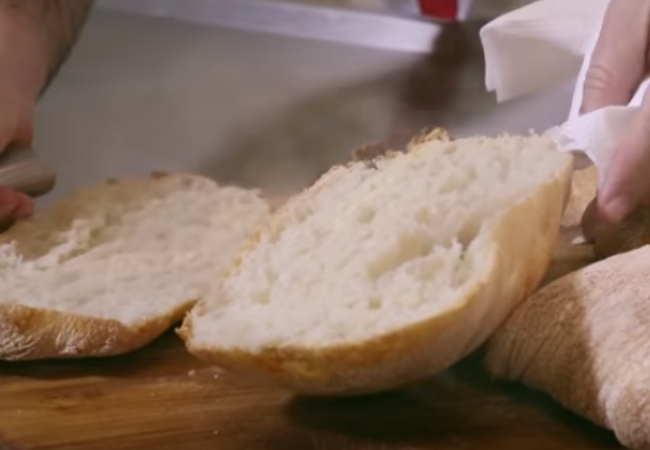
{"x": 627, "y": 182}
{"x": 24, "y": 207}
{"x": 14, "y": 205}
{"x": 16, "y": 118}
{"x": 618, "y": 63}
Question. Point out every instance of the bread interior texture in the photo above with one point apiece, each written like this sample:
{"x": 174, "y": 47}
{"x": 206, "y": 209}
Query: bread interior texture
{"x": 376, "y": 246}
{"x": 130, "y": 250}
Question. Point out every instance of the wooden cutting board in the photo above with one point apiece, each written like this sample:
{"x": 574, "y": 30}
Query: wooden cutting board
{"x": 162, "y": 398}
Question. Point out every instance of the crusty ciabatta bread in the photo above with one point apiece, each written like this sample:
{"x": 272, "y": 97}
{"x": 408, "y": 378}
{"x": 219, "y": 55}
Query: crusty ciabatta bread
{"x": 583, "y": 339}
{"x": 111, "y": 266}
{"x": 388, "y": 270}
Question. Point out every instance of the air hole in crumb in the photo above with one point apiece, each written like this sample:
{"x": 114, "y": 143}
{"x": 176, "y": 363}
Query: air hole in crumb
{"x": 262, "y": 297}
{"x": 69, "y": 278}
{"x": 300, "y": 214}
{"x": 423, "y": 217}
{"x": 366, "y": 214}
{"x": 407, "y": 247}
{"x": 428, "y": 271}
{"x": 374, "y": 302}
{"x": 448, "y": 184}
{"x": 271, "y": 275}
{"x": 468, "y": 232}
{"x": 273, "y": 235}
{"x": 464, "y": 268}
{"x": 462, "y": 271}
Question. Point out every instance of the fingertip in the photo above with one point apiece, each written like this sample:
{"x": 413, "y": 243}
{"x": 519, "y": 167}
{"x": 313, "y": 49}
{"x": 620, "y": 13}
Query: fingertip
{"x": 24, "y": 208}
{"x": 616, "y": 209}
{"x": 625, "y": 185}
{"x": 14, "y": 205}
{"x": 601, "y": 217}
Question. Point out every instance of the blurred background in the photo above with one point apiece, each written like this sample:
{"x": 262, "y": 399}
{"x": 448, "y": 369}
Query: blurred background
{"x": 265, "y": 93}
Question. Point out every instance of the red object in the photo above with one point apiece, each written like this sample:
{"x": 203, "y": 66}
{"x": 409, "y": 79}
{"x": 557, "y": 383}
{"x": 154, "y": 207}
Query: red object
{"x": 439, "y": 9}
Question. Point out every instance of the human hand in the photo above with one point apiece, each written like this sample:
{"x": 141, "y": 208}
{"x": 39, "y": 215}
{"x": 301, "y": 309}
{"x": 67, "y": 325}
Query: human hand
{"x": 16, "y": 127}
{"x": 23, "y": 69}
{"x": 35, "y": 39}
{"x": 619, "y": 64}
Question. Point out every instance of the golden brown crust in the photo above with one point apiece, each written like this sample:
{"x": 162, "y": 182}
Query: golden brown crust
{"x": 160, "y": 174}
{"x": 427, "y": 135}
{"x": 339, "y": 370}
{"x": 35, "y": 333}
{"x": 424, "y": 348}
{"x": 583, "y": 190}
{"x": 369, "y": 152}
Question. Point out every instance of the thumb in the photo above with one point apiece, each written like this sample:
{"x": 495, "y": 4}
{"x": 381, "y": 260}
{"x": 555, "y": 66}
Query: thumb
{"x": 627, "y": 182}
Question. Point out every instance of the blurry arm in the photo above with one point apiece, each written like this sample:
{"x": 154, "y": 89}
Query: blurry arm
{"x": 36, "y": 36}
{"x": 45, "y": 31}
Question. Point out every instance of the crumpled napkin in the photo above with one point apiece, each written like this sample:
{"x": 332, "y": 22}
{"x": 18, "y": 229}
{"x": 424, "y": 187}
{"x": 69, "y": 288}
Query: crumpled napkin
{"x": 551, "y": 41}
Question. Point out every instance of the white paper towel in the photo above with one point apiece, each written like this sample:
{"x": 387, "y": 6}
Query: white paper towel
{"x": 547, "y": 42}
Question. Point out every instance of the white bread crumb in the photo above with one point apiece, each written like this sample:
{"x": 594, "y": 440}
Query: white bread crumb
{"x": 385, "y": 272}
{"x": 111, "y": 266}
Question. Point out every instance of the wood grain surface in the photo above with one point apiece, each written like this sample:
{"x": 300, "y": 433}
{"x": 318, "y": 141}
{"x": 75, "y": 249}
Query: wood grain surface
{"x": 162, "y": 398}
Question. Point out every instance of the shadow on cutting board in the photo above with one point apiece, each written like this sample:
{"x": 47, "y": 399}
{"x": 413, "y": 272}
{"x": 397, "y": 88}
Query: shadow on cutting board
{"x": 463, "y": 401}
{"x": 166, "y": 390}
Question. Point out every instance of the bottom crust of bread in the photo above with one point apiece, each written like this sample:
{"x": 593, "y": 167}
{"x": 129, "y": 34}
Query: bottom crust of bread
{"x": 34, "y": 333}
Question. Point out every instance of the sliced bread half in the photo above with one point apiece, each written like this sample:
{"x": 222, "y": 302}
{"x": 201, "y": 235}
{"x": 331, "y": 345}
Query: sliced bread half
{"x": 388, "y": 270}
{"x": 111, "y": 266}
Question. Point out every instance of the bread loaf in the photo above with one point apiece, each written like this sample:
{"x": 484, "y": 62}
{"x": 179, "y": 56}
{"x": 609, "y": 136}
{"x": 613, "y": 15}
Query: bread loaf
{"x": 111, "y": 266}
{"x": 583, "y": 339}
{"x": 388, "y": 270}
